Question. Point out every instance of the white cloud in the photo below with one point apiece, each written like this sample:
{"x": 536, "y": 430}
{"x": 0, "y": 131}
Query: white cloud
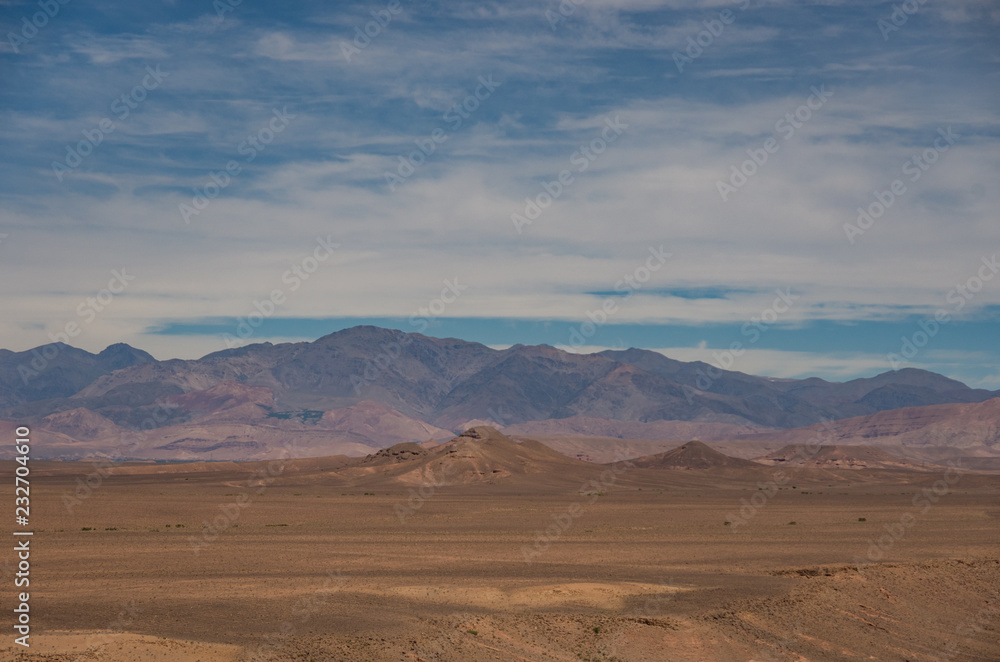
{"x": 104, "y": 49}
{"x": 656, "y": 185}
{"x": 784, "y": 364}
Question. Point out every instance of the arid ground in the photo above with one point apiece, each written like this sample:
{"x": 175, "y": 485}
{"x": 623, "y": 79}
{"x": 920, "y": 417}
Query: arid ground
{"x": 640, "y": 564}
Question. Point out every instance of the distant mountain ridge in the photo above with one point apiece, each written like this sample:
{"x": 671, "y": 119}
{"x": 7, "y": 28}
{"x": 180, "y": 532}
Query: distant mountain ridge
{"x": 970, "y": 427}
{"x": 58, "y": 370}
{"x": 418, "y": 387}
{"x": 447, "y": 382}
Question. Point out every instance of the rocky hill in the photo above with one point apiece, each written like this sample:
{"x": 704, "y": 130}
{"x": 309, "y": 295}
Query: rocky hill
{"x": 692, "y": 455}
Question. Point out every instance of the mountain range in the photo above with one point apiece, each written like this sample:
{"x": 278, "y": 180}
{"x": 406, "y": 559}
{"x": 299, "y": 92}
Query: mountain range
{"x": 365, "y": 388}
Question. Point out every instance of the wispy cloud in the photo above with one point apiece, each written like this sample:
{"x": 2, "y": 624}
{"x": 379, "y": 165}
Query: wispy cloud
{"x": 107, "y": 49}
{"x": 355, "y": 119}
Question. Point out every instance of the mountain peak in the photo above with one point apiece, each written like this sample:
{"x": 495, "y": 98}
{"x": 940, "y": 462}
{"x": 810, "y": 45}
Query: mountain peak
{"x": 120, "y": 348}
{"x": 364, "y": 333}
{"x": 120, "y": 355}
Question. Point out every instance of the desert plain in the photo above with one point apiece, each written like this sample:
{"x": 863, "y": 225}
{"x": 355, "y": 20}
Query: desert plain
{"x": 499, "y": 550}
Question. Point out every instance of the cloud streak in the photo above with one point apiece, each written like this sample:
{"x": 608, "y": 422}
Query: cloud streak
{"x": 324, "y": 175}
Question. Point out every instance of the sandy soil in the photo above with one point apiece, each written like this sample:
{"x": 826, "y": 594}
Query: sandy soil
{"x": 313, "y": 567}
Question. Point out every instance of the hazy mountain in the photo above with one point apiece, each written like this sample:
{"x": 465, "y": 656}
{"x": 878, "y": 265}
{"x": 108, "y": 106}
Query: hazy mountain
{"x": 929, "y": 432}
{"x": 413, "y": 387}
{"x": 839, "y": 457}
{"x": 588, "y": 426}
{"x": 787, "y": 403}
{"x": 229, "y": 421}
{"x": 58, "y": 370}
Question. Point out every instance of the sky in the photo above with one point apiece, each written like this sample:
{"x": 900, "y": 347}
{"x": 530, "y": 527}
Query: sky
{"x": 780, "y": 188}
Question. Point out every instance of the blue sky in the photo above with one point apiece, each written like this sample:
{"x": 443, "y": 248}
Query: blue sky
{"x": 678, "y": 175}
